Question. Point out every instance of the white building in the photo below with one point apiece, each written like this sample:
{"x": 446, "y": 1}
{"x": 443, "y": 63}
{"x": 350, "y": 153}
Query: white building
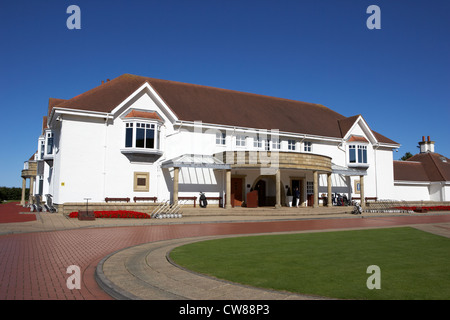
{"x": 141, "y": 137}
{"x": 425, "y": 176}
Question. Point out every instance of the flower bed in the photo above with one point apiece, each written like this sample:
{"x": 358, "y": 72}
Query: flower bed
{"x": 427, "y": 208}
{"x": 115, "y": 214}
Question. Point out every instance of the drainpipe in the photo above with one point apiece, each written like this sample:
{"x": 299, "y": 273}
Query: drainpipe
{"x": 375, "y": 148}
{"x": 104, "y": 153}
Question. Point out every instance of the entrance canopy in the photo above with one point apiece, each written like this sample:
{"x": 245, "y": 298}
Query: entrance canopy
{"x": 195, "y": 161}
{"x": 347, "y": 171}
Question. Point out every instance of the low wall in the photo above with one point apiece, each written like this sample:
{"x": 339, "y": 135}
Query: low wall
{"x": 410, "y": 203}
{"x": 145, "y": 207}
{"x": 388, "y": 205}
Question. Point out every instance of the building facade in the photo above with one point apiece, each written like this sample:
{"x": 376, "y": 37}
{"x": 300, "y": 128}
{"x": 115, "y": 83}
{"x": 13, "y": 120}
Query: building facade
{"x": 141, "y": 137}
{"x": 424, "y": 176}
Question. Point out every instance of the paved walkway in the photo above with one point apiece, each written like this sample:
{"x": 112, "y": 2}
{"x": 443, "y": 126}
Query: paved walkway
{"x": 35, "y": 255}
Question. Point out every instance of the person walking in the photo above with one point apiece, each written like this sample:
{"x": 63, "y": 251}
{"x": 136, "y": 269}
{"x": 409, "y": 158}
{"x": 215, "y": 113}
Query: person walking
{"x": 296, "y": 197}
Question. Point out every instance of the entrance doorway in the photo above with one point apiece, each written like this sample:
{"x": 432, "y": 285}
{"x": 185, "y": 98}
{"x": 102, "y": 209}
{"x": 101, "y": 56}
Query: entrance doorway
{"x": 237, "y": 196}
{"x": 296, "y": 183}
{"x": 261, "y": 188}
{"x": 265, "y": 185}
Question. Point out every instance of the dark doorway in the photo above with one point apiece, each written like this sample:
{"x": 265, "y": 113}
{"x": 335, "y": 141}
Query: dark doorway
{"x": 261, "y": 187}
{"x": 236, "y": 192}
{"x": 296, "y": 184}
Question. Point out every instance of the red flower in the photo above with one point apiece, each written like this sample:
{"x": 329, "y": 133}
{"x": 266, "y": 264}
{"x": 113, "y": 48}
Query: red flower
{"x": 115, "y": 214}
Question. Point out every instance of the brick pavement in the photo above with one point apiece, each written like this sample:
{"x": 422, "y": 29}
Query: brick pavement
{"x": 13, "y": 212}
{"x": 33, "y": 264}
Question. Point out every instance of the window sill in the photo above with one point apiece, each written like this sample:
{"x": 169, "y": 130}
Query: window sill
{"x": 357, "y": 165}
{"x": 141, "y": 151}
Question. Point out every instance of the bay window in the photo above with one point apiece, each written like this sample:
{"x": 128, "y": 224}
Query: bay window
{"x": 141, "y": 135}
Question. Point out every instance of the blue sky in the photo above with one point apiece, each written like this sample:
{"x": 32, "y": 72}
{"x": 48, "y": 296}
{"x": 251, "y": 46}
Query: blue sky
{"x": 320, "y": 51}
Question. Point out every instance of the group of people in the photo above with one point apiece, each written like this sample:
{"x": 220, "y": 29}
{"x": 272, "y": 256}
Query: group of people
{"x": 296, "y": 197}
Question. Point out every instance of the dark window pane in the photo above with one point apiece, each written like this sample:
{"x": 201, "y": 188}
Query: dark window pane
{"x": 352, "y": 157}
{"x": 129, "y": 138}
{"x": 49, "y": 145}
{"x": 140, "y": 138}
{"x": 150, "y": 139}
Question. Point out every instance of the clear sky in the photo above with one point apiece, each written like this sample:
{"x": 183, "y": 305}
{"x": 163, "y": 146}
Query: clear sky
{"x": 320, "y": 51}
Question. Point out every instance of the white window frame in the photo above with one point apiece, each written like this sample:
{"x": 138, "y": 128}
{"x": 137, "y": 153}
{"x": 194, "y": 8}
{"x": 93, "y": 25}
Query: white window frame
{"x": 360, "y": 154}
{"x": 257, "y": 142}
{"x": 307, "y": 146}
{"x": 49, "y": 142}
{"x": 241, "y": 140}
{"x": 134, "y": 125}
{"x": 276, "y": 144}
{"x": 292, "y": 144}
{"x": 221, "y": 138}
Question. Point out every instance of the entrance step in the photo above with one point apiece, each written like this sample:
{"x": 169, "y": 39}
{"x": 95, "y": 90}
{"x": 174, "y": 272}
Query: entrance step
{"x": 265, "y": 211}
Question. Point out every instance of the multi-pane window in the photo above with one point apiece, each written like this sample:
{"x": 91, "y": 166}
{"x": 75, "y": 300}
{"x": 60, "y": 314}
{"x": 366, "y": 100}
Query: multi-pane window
{"x": 310, "y": 187}
{"x": 141, "y": 135}
{"x": 240, "y": 140}
{"x": 307, "y": 146}
{"x": 276, "y": 145}
{"x": 362, "y": 154}
{"x": 49, "y": 142}
{"x": 291, "y": 144}
{"x": 357, "y": 154}
{"x": 221, "y": 138}
{"x": 42, "y": 149}
{"x": 257, "y": 142}
{"x": 352, "y": 154}
{"x": 129, "y": 135}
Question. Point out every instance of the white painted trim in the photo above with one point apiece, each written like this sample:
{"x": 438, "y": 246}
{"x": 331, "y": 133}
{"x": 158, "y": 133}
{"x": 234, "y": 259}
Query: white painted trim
{"x": 153, "y": 94}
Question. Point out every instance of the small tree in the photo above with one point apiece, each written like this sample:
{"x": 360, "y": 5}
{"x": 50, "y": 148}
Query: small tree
{"x": 406, "y": 156}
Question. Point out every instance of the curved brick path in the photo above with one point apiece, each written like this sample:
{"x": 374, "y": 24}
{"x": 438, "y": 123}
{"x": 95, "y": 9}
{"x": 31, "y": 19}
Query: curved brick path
{"x": 33, "y": 265}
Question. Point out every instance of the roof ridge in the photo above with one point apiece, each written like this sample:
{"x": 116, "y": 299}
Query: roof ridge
{"x": 233, "y": 91}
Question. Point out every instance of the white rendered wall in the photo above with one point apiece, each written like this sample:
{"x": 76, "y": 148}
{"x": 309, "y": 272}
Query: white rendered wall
{"x": 411, "y": 192}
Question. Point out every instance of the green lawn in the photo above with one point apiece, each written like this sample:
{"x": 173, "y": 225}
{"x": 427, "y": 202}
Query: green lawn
{"x": 414, "y": 264}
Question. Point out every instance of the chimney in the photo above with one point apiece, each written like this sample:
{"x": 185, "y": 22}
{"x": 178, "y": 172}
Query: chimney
{"x": 426, "y": 146}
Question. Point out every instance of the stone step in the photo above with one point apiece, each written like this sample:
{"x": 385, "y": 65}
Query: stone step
{"x": 265, "y": 211}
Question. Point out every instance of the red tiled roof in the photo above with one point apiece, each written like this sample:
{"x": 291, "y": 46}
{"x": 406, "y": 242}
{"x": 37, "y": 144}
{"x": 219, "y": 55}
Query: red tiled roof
{"x": 409, "y": 171}
{"x": 428, "y": 166}
{"x": 44, "y": 123}
{"x": 357, "y": 139}
{"x": 143, "y": 114}
{"x": 192, "y": 102}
